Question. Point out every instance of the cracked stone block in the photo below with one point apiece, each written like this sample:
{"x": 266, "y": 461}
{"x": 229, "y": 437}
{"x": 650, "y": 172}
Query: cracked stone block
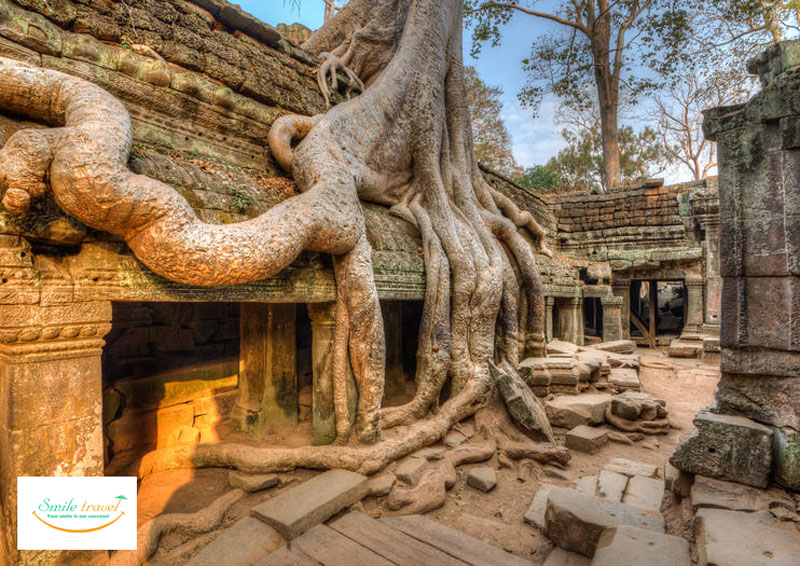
{"x": 611, "y": 485}
{"x": 625, "y": 378}
{"x": 731, "y": 538}
{"x": 410, "y": 470}
{"x": 726, "y": 447}
{"x": 646, "y": 493}
{"x": 535, "y": 513}
{"x": 586, "y": 439}
{"x": 627, "y": 545}
{"x": 569, "y": 411}
{"x": 710, "y": 493}
{"x": 630, "y": 468}
{"x": 575, "y": 522}
{"x": 483, "y": 478}
{"x": 296, "y": 510}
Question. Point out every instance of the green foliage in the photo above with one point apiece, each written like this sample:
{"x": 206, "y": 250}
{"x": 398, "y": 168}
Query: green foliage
{"x": 125, "y": 42}
{"x": 540, "y": 177}
{"x": 241, "y": 200}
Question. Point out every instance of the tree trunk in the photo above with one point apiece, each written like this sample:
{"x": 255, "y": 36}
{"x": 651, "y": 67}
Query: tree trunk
{"x": 607, "y": 83}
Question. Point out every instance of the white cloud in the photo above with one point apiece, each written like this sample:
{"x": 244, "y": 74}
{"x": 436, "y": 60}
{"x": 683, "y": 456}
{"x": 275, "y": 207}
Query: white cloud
{"x": 533, "y": 141}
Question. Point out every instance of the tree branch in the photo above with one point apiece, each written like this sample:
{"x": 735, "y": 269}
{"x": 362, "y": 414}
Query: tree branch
{"x": 545, "y": 15}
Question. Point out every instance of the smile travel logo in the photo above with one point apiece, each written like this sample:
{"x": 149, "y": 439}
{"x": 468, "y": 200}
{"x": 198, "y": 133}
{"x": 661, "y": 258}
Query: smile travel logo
{"x": 69, "y": 511}
{"x": 76, "y": 513}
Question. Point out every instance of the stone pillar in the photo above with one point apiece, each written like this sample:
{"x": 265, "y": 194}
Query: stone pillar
{"x": 395, "y": 382}
{"x": 50, "y": 406}
{"x": 549, "y": 303}
{"x": 267, "y": 398}
{"x": 622, "y": 289}
{"x": 693, "y": 324}
{"x": 570, "y": 320}
{"x": 323, "y": 418}
{"x": 713, "y": 280}
{"x": 612, "y": 318}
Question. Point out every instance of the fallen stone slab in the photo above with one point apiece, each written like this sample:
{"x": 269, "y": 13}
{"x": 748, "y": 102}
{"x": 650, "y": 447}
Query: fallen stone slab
{"x": 569, "y": 411}
{"x": 617, "y": 347}
{"x": 560, "y": 557}
{"x": 611, "y": 485}
{"x": 561, "y": 347}
{"x": 685, "y": 349}
{"x": 538, "y": 507}
{"x": 410, "y": 470}
{"x": 483, "y": 478}
{"x": 296, "y": 510}
{"x": 381, "y": 484}
{"x": 726, "y": 447}
{"x": 645, "y": 493}
{"x": 586, "y": 439}
{"x": 624, "y": 378}
{"x": 677, "y": 481}
{"x": 630, "y": 468}
{"x": 625, "y": 545}
{"x": 244, "y": 543}
{"x": 575, "y": 522}
{"x": 251, "y": 483}
{"x": 731, "y": 538}
{"x": 523, "y": 406}
{"x": 633, "y": 361}
{"x": 710, "y": 493}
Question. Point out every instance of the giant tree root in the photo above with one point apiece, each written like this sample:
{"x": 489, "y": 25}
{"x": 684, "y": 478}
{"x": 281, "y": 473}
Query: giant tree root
{"x": 658, "y": 426}
{"x": 203, "y": 521}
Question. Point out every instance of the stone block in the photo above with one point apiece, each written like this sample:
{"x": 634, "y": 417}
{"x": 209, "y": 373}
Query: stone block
{"x": 726, "y": 447}
{"x": 587, "y": 485}
{"x": 710, "y": 493}
{"x": 569, "y": 411}
{"x": 731, "y": 538}
{"x": 636, "y": 405}
{"x": 586, "y": 439}
{"x": 538, "y": 507}
{"x": 410, "y": 470}
{"x": 630, "y": 468}
{"x": 522, "y": 404}
{"x": 774, "y": 401}
{"x": 575, "y": 522}
{"x": 611, "y": 485}
{"x": 381, "y": 484}
{"x": 685, "y": 348}
{"x": 625, "y": 545}
{"x": 786, "y": 468}
{"x": 617, "y": 347}
{"x": 560, "y": 557}
{"x": 252, "y": 482}
{"x": 677, "y": 481}
{"x": 296, "y": 510}
{"x": 561, "y": 347}
{"x": 244, "y": 543}
{"x": 624, "y": 378}
{"x": 483, "y": 478}
{"x": 646, "y": 493}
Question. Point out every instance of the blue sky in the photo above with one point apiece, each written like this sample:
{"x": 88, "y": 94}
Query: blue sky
{"x": 534, "y": 141}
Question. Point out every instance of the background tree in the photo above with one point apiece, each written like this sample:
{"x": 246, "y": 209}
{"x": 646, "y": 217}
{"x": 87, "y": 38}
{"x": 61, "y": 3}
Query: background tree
{"x": 540, "y": 178}
{"x": 491, "y": 139}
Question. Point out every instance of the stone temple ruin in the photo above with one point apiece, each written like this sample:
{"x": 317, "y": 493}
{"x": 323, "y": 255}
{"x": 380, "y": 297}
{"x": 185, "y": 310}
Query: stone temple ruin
{"x": 102, "y": 361}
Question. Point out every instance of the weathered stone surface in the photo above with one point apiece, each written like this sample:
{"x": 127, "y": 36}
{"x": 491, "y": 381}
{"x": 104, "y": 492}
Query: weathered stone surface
{"x": 771, "y": 400}
{"x": 710, "y": 493}
{"x": 244, "y": 543}
{"x": 730, "y": 538}
{"x": 483, "y": 478}
{"x": 685, "y": 348}
{"x": 630, "y": 468}
{"x": 560, "y": 557}
{"x": 633, "y": 361}
{"x": 625, "y": 545}
{"x": 624, "y": 378}
{"x": 611, "y": 485}
{"x": 786, "y": 452}
{"x": 677, "y": 481}
{"x": 381, "y": 484}
{"x": 522, "y": 404}
{"x": 561, "y": 347}
{"x": 569, "y": 411}
{"x": 296, "y": 510}
{"x": 587, "y": 485}
{"x": 250, "y": 482}
{"x": 646, "y": 493}
{"x": 410, "y": 470}
{"x": 617, "y": 347}
{"x": 575, "y": 521}
{"x": 726, "y": 447}
{"x": 636, "y": 405}
{"x": 538, "y": 507}
{"x": 586, "y": 439}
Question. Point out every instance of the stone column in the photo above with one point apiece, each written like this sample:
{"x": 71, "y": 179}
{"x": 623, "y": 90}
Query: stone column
{"x": 570, "y": 320}
{"x": 323, "y": 418}
{"x": 393, "y": 324}
{"x": 693, "y": 325}
{"x": 622, "y": 289}
{"x": 50, "y": 406}
{"x": 713, "y": 291}
{"x": 548, "y": 317}
{"x": 612, "y": 318}
{"x": 267, "y": 398}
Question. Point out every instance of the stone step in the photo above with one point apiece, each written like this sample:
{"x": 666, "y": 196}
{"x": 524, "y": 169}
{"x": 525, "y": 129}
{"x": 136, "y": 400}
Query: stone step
{"x": 286, "y": 556}
{"x": 611, "y": 485}
{"x": 731, "y": 538}
{"x": 630, "y": 468}
{"x": 645, "y": 493}
{"x": 331, "y": 548}
{"x": 627, "y": 545}
{"x": 244, "y": 543}
{"x": 455, "y": 543}
{"x": 298, "y": 509}
{"x": 560, "y": 557}
{"x": 710, "y": 493}
{"x": 575, "y": 521}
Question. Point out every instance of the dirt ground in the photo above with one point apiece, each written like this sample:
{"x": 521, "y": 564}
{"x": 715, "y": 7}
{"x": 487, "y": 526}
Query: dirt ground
{"x": 496, "y": 517}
